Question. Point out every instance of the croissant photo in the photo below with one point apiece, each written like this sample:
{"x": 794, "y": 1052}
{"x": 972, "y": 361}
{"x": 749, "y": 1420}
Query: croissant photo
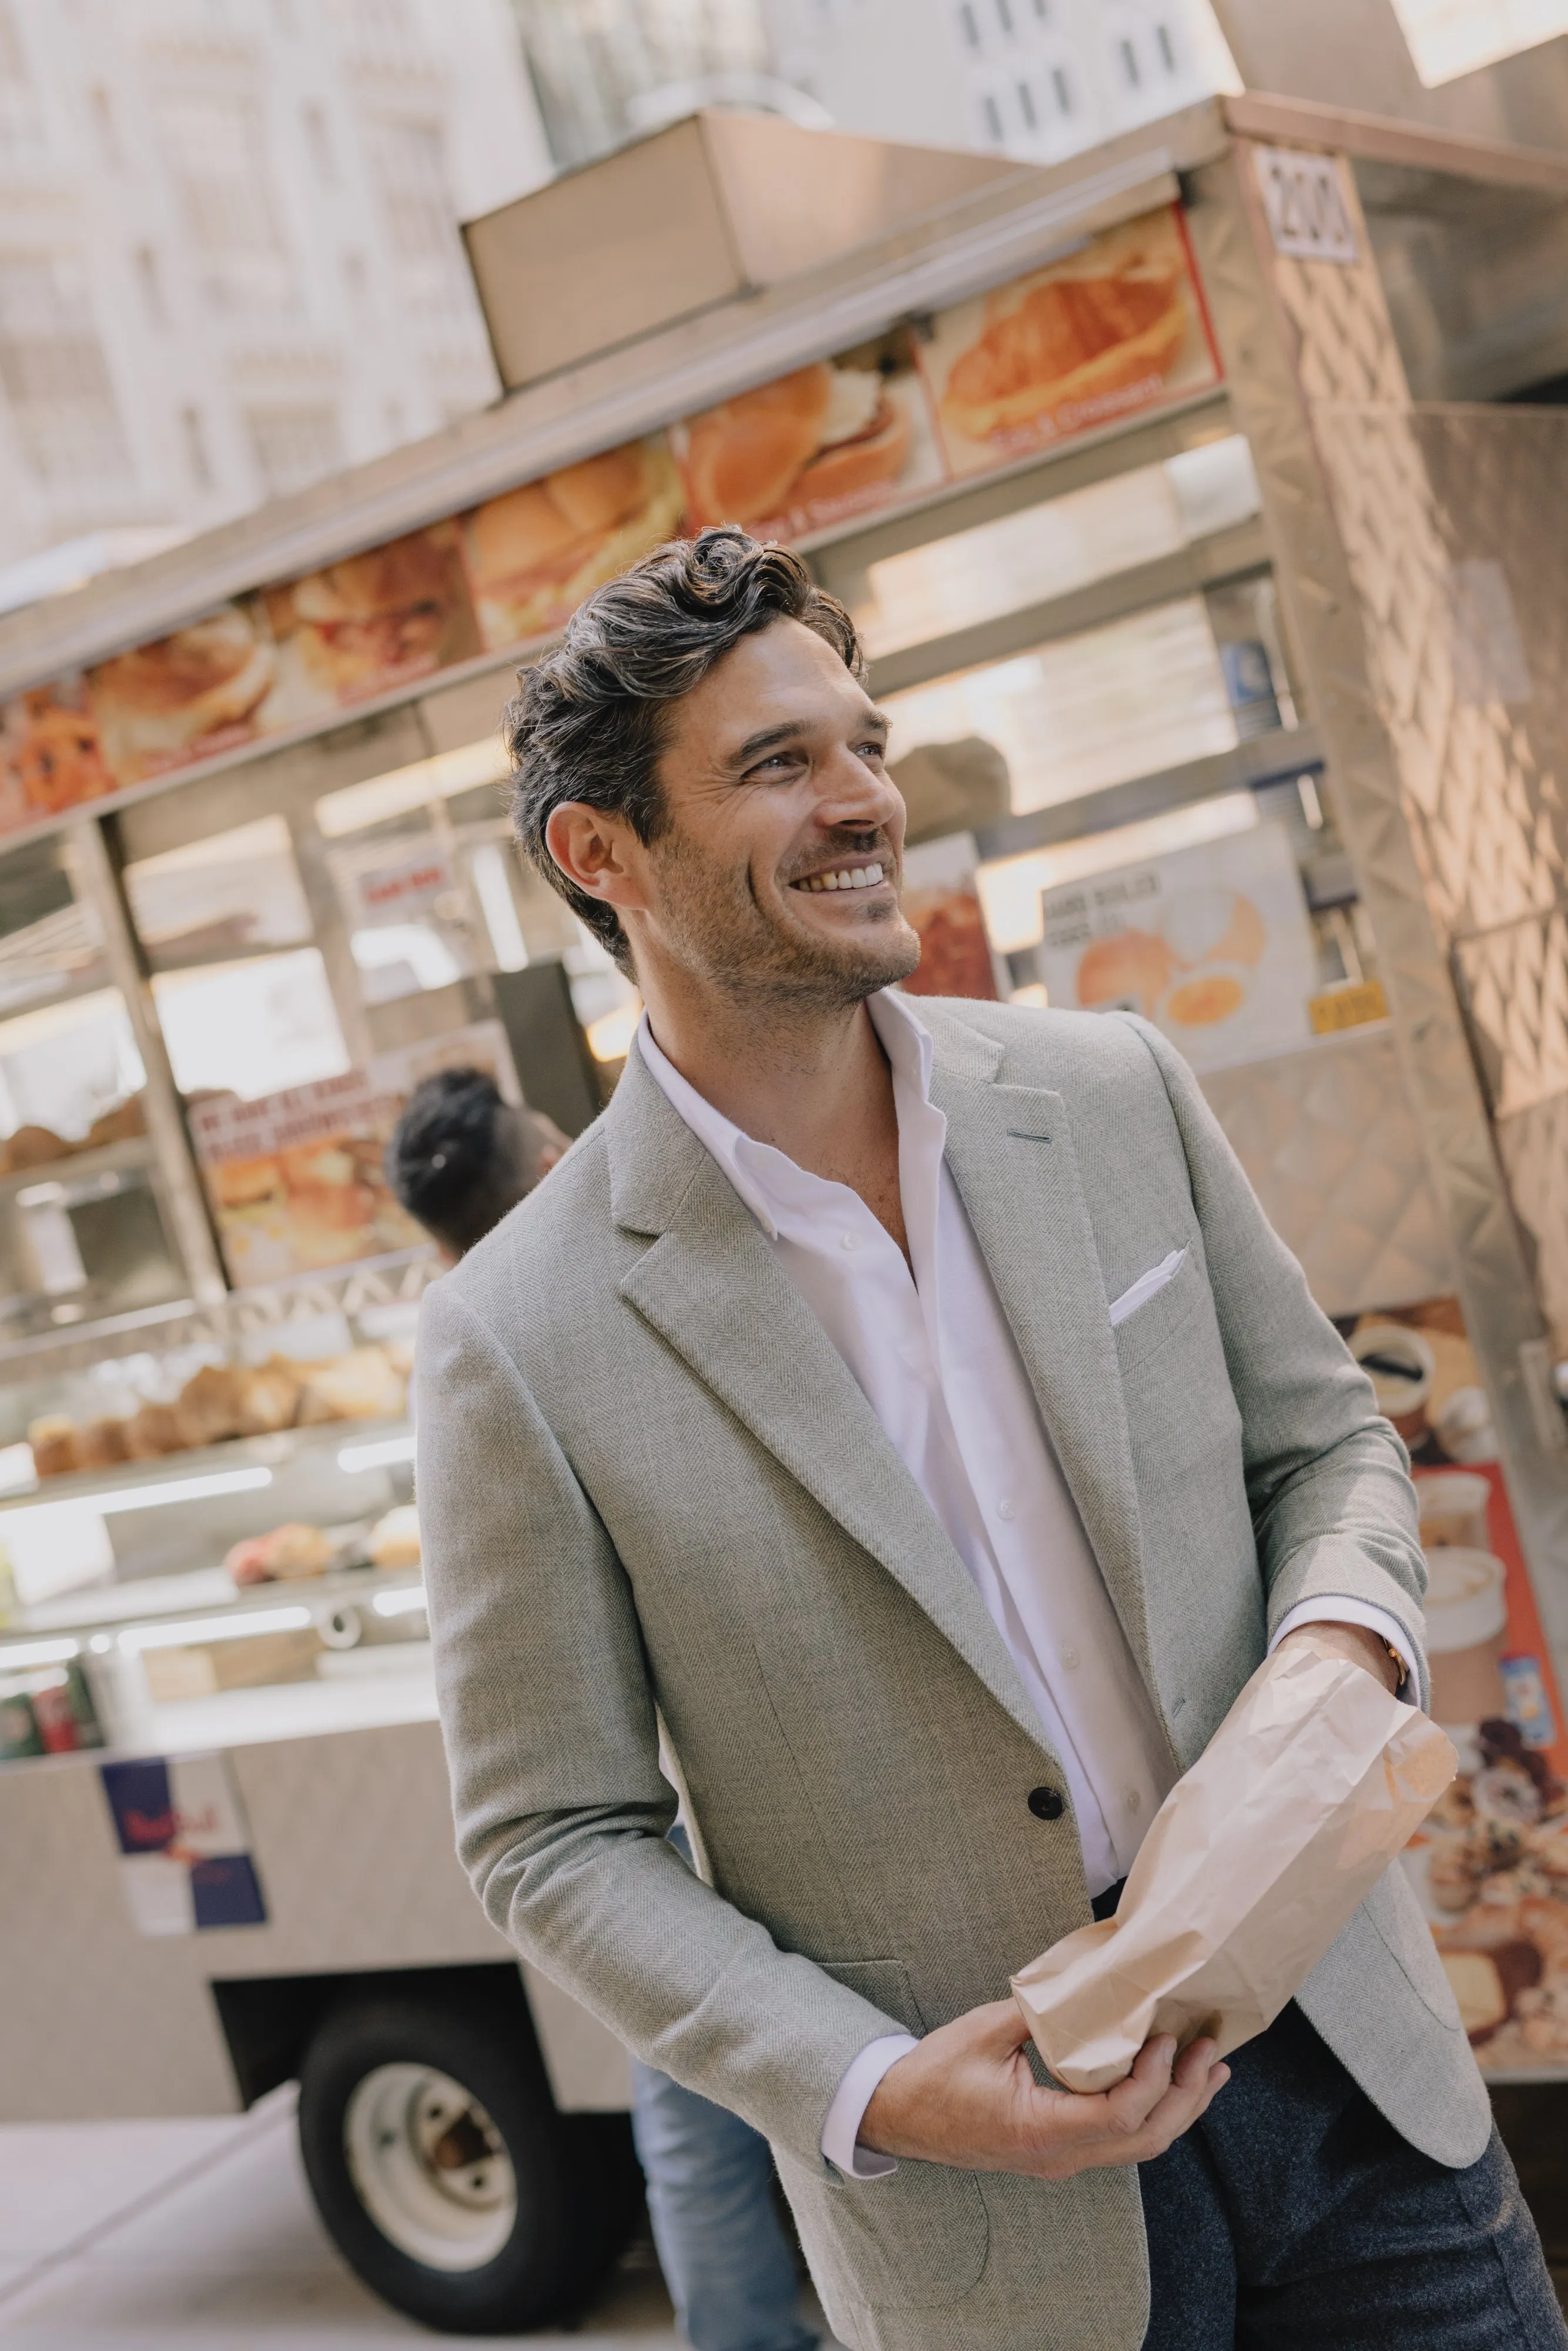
{"x": 1072, "y": 340}
{"x": 822, "y": 435}
{"x": 534, "y": 553}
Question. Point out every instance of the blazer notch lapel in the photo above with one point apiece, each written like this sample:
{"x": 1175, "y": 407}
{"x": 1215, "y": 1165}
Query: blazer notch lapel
{"x": 1011, "y": 1154}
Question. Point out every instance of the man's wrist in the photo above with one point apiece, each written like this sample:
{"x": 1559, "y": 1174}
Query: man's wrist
{"x": 862, "y": 2079}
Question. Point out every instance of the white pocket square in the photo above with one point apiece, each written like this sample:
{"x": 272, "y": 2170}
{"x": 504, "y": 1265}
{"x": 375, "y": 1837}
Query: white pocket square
{"x": 1145, "y": 1286}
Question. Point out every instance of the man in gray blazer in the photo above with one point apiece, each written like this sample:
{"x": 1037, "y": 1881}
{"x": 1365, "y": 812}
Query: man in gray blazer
{"x": 895, "y": 1428}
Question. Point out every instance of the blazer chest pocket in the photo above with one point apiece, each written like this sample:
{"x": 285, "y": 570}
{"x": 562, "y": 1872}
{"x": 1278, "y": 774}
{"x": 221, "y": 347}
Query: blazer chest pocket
{"x": 916, "y": 2239}
{"x": 1152, "y": 1309}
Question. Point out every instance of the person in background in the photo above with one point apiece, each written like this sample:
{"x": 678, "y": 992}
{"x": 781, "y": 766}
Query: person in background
{"x": 459, "y": 1158}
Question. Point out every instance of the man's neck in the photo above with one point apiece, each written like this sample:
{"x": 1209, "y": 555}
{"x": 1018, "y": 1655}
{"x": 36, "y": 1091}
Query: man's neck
{"x": 815, "y": 1086}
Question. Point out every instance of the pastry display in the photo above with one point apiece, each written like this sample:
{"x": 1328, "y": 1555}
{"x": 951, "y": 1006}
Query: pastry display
{"x": 267, "y": 1398}
{"x": 229, "y": 1400}
{"x": 207, "y": 1408}
{"x": 360, "y": 1385}
{"x": 285, "y": 1555}
{"x": 53, "y": 1440}
{"x": 28, "y": 1147}
{"x": 148, "y": 1433}
{"x": 394, "y": 1541}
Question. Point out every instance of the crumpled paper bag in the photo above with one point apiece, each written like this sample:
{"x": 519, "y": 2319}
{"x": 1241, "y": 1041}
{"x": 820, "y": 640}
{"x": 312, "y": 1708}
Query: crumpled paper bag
{"x": 1312, "y": 1784}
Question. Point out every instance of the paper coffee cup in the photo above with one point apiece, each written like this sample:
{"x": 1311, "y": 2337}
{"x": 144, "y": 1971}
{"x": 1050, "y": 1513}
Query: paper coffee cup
{"x": 1466, "y": 1617}
{"x": 1452, "y": 1507}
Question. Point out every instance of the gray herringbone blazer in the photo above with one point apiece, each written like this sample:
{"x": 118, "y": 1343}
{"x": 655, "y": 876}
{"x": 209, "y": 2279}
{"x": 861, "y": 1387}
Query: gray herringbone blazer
{"x": 653, "y": 1497}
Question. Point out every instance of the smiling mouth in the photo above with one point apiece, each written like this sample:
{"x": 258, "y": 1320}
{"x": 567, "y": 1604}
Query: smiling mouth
{"x": 845, "y": 877}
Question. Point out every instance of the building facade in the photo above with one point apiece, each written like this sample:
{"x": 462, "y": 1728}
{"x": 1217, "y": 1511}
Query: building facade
{"x": 1037, "y": 79}
{"x": 228, "y": 251}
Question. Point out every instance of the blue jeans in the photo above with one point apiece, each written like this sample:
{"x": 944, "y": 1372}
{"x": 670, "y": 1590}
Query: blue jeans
{"x": 1294, "y": 2218}
{"x": 721, "y": 2244}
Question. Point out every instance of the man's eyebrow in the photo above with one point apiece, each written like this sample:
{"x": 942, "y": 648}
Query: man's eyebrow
{"x": 769, "y": 737}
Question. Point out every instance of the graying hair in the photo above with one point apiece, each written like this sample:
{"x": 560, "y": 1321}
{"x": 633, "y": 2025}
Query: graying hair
{"x": 590, "y": 721}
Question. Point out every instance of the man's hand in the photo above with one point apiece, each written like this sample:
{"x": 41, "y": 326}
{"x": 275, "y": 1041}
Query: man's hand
{"x": 966, "y": 2097}
{"x": 1354, "y": 1643}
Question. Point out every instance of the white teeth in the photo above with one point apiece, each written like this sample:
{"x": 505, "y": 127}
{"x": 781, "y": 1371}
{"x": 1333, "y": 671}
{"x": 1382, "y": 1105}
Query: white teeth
{"x": 850, "y": 877}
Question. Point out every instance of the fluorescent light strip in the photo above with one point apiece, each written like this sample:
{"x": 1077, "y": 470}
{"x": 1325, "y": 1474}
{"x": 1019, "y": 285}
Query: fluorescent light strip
{"x": 380, "y": 1456}
{"x": 163, "y": 1490}
{"x": 401, "y": 1603}
{"x": 37, "y": 1653}
{"x": 236, "y": 1626}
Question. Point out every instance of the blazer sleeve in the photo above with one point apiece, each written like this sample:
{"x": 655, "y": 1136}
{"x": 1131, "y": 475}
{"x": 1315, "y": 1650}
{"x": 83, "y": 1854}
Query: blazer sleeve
{"x": 552, "y": 1745}
{"x": 1334, "y": 1508}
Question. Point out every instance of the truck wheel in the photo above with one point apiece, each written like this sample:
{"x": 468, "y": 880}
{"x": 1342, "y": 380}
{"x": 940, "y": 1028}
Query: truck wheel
{"x": 443, "y": 2173}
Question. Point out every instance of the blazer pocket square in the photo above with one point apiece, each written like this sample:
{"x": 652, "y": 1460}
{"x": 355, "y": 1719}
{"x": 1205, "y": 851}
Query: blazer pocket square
{"x": 1147, "y": 1285}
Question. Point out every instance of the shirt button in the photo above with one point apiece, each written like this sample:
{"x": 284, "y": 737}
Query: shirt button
{"x": 1069, "y": 1661}
{"x": 848, "y": 1241}
{"x": 1004, "y": 1509}
{"x": 1133, "y": 1800}
{"x": 1046, "y": 1803}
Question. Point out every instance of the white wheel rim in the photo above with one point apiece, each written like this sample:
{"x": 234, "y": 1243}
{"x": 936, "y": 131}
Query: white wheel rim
{"x": 430, "y": 2168}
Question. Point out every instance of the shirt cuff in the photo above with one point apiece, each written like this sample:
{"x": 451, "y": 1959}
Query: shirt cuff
{"x": 1340, "y": 1609}
{"x": 852, "y": 2098}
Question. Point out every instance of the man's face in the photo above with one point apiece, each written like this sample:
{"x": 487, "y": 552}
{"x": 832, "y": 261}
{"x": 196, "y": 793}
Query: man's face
{"x": 777, "y": 869}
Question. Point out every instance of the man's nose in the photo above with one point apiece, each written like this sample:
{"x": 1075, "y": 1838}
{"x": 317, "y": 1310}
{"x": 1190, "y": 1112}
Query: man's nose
{"x": 853, "y": 795}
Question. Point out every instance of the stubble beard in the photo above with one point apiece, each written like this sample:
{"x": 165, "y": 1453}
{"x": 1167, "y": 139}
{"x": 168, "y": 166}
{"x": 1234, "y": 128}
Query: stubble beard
{"x": 725, "y": 933}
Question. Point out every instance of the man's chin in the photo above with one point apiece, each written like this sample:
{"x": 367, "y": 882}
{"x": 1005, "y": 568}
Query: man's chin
{"x": 855, "y": 967}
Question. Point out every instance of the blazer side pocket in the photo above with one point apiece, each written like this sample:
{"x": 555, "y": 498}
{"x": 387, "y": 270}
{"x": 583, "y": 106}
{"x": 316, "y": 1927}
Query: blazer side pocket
{"x": 916, "y": 2239}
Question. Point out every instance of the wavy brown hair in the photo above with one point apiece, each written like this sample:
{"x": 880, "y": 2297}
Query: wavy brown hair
{"x": 589, "y": 722}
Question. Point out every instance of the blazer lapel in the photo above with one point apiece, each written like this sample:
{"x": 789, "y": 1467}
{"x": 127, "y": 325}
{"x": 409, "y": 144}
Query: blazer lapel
{"x": 711, "y": 1286}
{"x": 1011, "y": 1151}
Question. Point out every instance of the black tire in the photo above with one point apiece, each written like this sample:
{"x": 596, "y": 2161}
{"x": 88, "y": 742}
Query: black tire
{"x": 576, "y": 2186}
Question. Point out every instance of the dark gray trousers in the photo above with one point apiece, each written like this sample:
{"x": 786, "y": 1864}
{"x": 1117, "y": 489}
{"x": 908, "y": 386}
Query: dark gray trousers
{"x": 1294, "y": 2218}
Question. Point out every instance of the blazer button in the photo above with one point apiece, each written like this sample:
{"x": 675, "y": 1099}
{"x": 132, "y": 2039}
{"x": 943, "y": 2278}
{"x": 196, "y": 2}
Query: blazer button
{"x": 1046, "y": 1803}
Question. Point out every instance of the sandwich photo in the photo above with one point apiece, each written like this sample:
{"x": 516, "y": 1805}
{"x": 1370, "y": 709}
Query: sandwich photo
{"x": 1117, "y": 327}
{"x": 533, "y": 554}
{"x": 185, "y": 696}
{"x": 376, "y": 620}
{"x": 51, "y": 756}
{"x": 826, "y": 441}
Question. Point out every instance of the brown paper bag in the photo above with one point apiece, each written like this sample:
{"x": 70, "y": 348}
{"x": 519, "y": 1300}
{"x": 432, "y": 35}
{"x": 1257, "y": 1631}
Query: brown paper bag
{"x": 1312, "y": 1783}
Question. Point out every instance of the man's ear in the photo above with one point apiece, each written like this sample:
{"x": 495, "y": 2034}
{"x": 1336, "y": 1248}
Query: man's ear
{"x": 597, "y": 853}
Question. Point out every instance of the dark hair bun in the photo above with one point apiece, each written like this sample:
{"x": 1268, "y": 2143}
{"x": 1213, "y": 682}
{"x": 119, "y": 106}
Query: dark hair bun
{"x": 444, "y": 1143}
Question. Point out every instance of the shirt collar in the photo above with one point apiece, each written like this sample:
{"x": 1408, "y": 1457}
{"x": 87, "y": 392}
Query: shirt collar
{"x": 769, "y": 1182}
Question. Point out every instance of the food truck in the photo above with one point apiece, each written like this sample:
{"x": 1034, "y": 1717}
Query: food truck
{"x": 1194, "y": 500}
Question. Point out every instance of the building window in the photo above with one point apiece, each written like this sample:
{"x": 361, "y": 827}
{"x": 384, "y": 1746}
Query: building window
{"x": 55, "y": 376}
{"x": 1130, "y": 64}
{"x": 214, "y": 149}
{"x": 1004, "y": 15}
{"x": 409, "y": 161}
{"x": 1026, "y": 107}
{"x": 1043, "y": 9}
{"x": 971, "y": 30}
{"x": 106, "y": 129}
{"x": 293, "y": 446}
{"x": 320, "y": 144}
{"x": 151, "y": 285}
{"x": 356, "y": 278}
{"x": 1064, "y": 88}
{"x": 993, "y": 115}
{"x": 196, "y": 457}
{"x": 1166, "y": 48}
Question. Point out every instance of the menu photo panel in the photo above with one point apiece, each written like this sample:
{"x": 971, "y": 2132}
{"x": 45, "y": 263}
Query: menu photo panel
{"x": 1489, "y": 1866}
{"x": 820, "y": 447}
{"x": 1105, "y": 333}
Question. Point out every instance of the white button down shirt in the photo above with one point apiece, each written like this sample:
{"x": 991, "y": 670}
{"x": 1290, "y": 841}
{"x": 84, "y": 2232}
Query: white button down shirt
{"x": 936, "y": 1358}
